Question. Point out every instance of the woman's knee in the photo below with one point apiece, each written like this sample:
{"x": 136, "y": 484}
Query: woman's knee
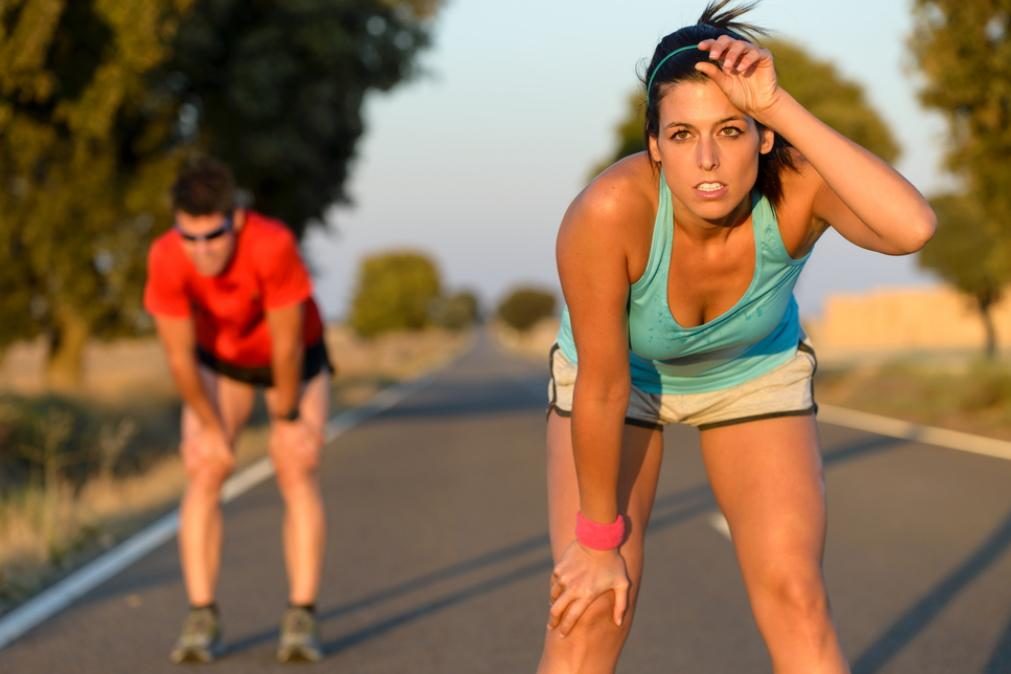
{"x": 797, "y": 591}
{"x": 593, "y": 644}
{"x": 597, "y": 625}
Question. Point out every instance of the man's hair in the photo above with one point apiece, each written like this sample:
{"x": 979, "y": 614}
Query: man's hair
{"x": 204, "y": 186}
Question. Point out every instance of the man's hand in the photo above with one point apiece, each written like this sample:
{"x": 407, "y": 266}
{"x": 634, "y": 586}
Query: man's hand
{"x": 210, "y": 446}
{"x": 298, "y": 439}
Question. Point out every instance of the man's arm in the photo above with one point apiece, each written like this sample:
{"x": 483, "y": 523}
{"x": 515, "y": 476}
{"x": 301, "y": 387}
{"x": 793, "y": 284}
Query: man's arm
{"x": 286, "y": 350}
{"x": 178, "y": 338}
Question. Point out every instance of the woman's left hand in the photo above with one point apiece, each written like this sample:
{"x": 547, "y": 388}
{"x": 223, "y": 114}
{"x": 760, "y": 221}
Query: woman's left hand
{"x": 745, "y": 73}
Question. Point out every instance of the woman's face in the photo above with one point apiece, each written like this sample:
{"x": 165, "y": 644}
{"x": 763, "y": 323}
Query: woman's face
{"x": 708, "y": 149}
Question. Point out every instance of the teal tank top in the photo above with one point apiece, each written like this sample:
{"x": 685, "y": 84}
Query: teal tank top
{"x": 760, "y": 332}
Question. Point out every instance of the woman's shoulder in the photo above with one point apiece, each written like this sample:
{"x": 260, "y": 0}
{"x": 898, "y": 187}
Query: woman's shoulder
{"x": 622, "y": 194}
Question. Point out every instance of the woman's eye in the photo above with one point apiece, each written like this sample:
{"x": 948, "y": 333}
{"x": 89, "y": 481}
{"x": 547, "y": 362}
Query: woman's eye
{"x": 731, "y": 131}
{"x": 680, "y": 134}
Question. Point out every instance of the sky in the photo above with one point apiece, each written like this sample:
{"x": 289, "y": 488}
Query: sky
{"x": 475, "y": 160}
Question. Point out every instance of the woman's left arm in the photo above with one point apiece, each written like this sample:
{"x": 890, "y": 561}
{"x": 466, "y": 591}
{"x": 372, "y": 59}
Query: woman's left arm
{"x": 861, "y": 196}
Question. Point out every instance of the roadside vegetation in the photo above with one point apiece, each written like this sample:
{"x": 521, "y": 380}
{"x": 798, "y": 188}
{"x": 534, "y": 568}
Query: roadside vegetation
{"x": 78, "y": 473}
{"x": 968, "y": 394}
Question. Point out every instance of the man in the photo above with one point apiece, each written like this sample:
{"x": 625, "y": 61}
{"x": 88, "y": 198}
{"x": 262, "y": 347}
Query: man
{"x": 233, "y": 305}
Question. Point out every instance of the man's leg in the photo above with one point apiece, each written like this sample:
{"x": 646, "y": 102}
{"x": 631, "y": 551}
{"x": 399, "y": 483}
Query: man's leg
{"x": 200, "y": 512}
{"x": 304, "y": 526}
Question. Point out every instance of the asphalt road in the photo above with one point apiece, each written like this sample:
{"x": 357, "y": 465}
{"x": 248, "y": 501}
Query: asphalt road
{"x": 437, "y": 560}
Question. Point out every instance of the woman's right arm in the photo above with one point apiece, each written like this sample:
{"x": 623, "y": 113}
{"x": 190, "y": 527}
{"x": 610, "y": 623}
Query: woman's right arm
{"x": 593, "y": 267}
{"x": 592, "y": 255}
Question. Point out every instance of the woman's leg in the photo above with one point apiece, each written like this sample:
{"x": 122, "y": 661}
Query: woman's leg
{"x": 767, "y": 478}
{"x": 593, "y": 646}
{"x": 200, "y": 511}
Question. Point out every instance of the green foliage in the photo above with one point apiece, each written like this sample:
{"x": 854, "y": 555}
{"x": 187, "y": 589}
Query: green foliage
{"x": 963, "y": 50}
{"x": 100, "y": 100}
{"x": 818, "y": 86}
{"x": 276, "y": 89}
{"x": 457, "y": 311}
{"x": 522, "y": 308}
{"x": 84, "y": 159}
{"x": 831, "y": 97}
{"x": 962, "y": 252}
{"x": 394, "y": 291}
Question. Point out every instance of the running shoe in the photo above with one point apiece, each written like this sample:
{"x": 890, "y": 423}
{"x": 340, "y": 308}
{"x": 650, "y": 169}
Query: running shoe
{"x": 200, "y": 639}
{"x": 299, "y": 640}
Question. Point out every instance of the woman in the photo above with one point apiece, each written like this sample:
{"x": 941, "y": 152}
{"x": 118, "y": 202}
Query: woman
{"x": 678, "y": 266}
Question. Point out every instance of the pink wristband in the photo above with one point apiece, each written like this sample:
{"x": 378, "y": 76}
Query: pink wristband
{"x": 600, "y": 536}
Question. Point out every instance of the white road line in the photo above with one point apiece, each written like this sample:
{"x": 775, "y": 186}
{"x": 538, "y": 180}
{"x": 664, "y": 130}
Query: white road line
{"x": 895, "y": 428}
{"x": 59, "y": 596}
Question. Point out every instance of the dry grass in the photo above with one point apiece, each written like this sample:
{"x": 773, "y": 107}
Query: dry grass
{"x": 968, "y": 395}
{"x": 58, "y": 520}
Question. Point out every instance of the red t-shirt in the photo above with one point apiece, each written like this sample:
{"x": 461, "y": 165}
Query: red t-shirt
{"x": 229, "y": 310}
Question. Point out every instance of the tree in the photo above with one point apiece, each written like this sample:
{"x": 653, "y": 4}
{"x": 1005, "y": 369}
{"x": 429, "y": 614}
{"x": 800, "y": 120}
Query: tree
{"x": 523, "y": 307}
{"x": 963, "y": 50}
{"x": 962, "y": 253}
{"x": 395, "y": 291}
{"x": 101, "y": 99}
{"x": 84, "y": 160}
{"x": 838, "y": 102}
{"x": 276, "y": 89}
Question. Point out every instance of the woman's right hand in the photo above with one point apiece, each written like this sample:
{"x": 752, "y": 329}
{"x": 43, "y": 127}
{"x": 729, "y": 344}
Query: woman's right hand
{"x": 582, "y": 575}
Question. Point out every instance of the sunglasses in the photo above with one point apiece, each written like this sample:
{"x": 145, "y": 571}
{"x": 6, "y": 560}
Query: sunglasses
{"x": 225, "y": 228}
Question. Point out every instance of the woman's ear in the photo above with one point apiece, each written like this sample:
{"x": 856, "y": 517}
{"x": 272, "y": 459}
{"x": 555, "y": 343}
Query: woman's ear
{"x": 654, "y": 149}
{"x": 766, "y": 139}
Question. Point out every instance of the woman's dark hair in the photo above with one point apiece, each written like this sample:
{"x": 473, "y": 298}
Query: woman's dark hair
{"x": 204, "y": 186}
{"x": 716, "y": 20}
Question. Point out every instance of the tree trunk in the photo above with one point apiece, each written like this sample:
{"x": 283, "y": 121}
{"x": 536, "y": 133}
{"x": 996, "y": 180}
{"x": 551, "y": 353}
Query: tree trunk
{"x": 989, "y": 329}
{"x": 65, "y": 360}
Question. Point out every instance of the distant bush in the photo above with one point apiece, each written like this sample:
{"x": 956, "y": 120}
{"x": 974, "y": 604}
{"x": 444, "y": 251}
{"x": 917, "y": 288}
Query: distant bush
{"x": 395, "y": 291}
{"x": 523, "y": 307}
{"x": 457, "y": 311}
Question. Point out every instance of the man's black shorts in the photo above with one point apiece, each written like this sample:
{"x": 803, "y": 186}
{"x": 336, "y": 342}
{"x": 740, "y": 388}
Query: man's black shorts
{"x": 314, "y": 360}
